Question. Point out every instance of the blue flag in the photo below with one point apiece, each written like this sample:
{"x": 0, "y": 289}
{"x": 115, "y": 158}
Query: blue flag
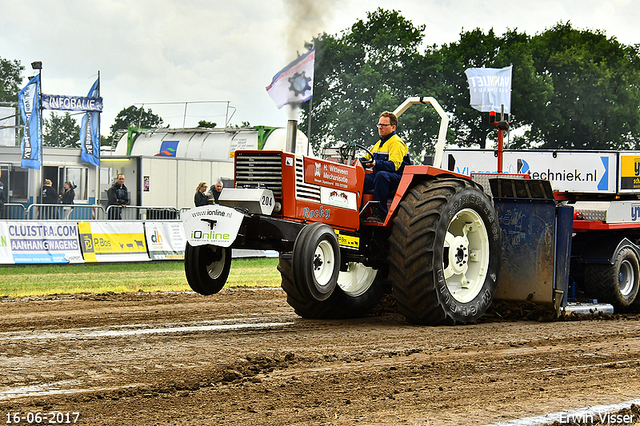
{"x": 90, "y": 131}
{"x": 29, "y": 104}
{"x": 490, "y": 88}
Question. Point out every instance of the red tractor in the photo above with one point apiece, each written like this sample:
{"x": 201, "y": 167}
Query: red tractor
{"x": 438, "y": 250}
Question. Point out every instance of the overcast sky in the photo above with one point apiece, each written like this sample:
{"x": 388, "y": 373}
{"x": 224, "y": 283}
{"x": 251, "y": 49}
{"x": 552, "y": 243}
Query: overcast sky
{"x": 228, "y": 51}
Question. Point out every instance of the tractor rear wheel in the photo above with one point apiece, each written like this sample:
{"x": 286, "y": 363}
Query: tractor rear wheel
{"x": 207, "y": 268}
{"x": 444, "y": 252}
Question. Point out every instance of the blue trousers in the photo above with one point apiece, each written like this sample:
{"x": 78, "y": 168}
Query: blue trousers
{"x": 382, "y": 184}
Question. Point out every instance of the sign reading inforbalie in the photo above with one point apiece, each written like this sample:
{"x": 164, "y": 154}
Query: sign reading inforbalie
{"x": 71, "y": 103}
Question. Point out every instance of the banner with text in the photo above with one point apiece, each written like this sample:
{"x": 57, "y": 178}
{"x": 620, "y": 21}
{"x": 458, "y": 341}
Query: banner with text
{"x": 90, "y": 132}
{"x": 115, "y": 241}
{"x": 29, "y": 104}
{"x": 5, "y": 245}
{"x": 490, "y": 89}
{"x": 72, "y": 103}
{"x": 41, "y": 242}
{"x": 165, "y": 240}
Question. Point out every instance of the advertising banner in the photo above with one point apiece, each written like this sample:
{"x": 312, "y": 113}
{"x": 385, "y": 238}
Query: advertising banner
{"x": 5, "y": 247}
{"x": 29, "y": 104}
{"x": 90, "y": 131}
{"x": 72, "y": 103}
{"x": 629, "y": 179}
{"x": 570, "y": 171}
{"x": 165, "y": 240}
{"x": 116, "y": 241}
{"x": 43, "y": 242}
{"x": 490, "y": 88}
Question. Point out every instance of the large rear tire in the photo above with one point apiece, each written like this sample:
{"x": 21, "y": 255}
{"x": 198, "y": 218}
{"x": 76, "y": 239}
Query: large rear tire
{"x": 358, "y": 291}
{"x": 444, "y": 253}
{"x": 617, "y": 283}
{"x": 207, "y": 268}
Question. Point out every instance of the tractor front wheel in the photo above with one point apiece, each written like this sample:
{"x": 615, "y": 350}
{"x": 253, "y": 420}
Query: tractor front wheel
{"x": 207, "y": 268}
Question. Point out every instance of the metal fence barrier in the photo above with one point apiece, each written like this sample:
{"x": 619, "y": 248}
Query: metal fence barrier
{"x": 15, "y": 211}
{"x": 84, "y": 212}
{"x": 142, "y": 213}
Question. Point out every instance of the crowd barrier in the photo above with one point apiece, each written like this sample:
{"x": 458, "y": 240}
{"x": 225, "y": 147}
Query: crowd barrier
{"x": 68, "y": 241}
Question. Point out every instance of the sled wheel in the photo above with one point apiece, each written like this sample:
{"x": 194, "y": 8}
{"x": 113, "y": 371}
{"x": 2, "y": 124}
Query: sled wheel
{"x": 444, "y": 252}
{"x": 617, "y": 283}
{"x": 316, "y": 261}
{"x": 207, "y": 268}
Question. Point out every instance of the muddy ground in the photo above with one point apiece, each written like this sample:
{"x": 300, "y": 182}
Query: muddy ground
{"x": 244, "y": 357}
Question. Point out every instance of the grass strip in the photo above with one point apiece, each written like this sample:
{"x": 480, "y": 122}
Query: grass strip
{"x": 40, "y": 280}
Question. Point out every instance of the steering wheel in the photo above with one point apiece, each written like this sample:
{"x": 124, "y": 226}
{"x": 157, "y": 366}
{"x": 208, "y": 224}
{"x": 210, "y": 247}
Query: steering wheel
{"x": 348, "y": 152}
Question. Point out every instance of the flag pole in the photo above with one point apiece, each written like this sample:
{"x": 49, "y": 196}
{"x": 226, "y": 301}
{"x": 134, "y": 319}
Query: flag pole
{"x": 309, "y": 125}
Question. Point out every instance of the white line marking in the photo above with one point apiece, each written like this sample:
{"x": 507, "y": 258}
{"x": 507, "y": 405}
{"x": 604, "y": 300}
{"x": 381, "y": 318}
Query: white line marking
{"x": 564, "y": 417}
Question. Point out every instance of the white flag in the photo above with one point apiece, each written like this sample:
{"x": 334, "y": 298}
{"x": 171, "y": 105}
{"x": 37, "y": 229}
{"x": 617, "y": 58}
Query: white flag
{"x": 294, "y": 84}
{"x": 490, "y": 88}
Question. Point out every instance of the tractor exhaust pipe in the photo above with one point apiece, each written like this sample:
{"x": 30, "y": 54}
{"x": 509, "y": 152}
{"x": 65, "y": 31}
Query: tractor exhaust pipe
{"x": 292, "y": 130}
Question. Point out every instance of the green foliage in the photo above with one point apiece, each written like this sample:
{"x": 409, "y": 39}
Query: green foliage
{"x": 136, "y": 117}
{"x": 358, "y": 76}
{"x": 570, "y": 89}
{"x": 61, "y": 131}
{"x": 10, "y": 80}
{"x": 206, "y": 124}
{"x": 596, "y": 81}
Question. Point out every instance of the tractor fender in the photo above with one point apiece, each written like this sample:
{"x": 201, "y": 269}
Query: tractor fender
{"x": 414, "y": 174}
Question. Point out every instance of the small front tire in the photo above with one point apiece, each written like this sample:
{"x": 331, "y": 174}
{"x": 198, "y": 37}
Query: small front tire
{"x": 207, "y": 268}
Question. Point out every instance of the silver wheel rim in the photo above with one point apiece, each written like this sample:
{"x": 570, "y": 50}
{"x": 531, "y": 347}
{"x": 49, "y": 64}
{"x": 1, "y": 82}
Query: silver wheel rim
{"x": 357, "y": 279}
{"x": 626, "y": 278}
{"x": 323, "y": 263}
{"x": 215, "y": 269}
{"x": 466, "y": 255}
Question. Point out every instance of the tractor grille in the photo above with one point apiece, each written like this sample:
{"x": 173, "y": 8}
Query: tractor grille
{"x": 305, "y": 191}
{"x": 260, "y": 171}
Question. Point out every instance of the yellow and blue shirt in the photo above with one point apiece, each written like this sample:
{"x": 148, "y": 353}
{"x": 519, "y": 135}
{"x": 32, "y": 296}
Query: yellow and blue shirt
{"x": 390, "y": 154}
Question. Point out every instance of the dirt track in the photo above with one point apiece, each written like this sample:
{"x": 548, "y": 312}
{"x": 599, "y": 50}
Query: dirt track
{"x": 244, "y": 357}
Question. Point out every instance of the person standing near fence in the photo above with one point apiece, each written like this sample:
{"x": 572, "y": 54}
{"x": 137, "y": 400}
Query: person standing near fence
{"x": 67, "y": 197}
{"x": 118, "y": 195}
{"x": 215, "y": 193}
{"x": 201, "y": 198}
{"x": 49, "y": 196}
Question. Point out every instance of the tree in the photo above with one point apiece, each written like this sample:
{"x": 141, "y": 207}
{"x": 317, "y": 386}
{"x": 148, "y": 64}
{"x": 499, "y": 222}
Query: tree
{"x": 359, "y": 75}
{"x": 570, "y": 88}
{"x": 476, "y": 49}
{"x": 10, "y": 80}
{"x": 596, "y": 82}
{"x": 61, "y": 132}
{"x": 135, "y": 117}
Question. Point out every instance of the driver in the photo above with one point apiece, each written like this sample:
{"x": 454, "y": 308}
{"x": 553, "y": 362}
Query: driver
{"x": 390, "y": 155}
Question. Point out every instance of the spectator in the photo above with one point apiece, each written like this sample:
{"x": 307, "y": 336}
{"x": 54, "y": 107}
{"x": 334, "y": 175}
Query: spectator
{"x": 118, "y": 197}
{"x": 215, "y": 193}
{"x": 67, "y": 198}
{"x": 201, "y": 198}
{"x": 49, "y": 196}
